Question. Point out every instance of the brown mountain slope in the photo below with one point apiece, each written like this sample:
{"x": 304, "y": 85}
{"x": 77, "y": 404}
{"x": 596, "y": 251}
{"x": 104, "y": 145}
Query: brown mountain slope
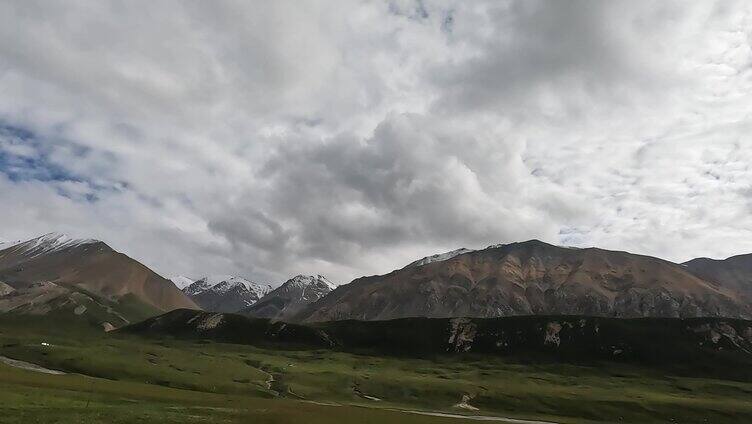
{"x": 734, "y": 273}
{"x": 531, "y": 278}
{"x": 89, "y": 265}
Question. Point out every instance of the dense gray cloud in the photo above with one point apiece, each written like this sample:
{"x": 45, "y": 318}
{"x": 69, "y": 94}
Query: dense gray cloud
{"x": 344, "y": 138}
{"x": 571, "y": 63}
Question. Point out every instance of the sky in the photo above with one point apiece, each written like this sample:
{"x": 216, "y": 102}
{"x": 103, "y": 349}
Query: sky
{"x": 347, "y": 138}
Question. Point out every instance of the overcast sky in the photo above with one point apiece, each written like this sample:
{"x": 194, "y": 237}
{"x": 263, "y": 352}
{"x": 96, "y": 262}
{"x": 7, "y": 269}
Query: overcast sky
{"x": 272, "y": 138}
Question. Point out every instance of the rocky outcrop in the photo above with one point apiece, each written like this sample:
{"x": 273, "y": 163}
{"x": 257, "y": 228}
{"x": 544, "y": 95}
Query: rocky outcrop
{"x": 5, "y": 289}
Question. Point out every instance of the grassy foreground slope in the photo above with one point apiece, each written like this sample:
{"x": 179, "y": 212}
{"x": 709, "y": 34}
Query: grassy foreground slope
{"x": 27, "y": 397}
{"x": 127, "y": 378}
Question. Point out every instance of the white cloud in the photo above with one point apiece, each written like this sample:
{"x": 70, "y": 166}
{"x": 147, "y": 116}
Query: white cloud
{"x": 341, "y": 138}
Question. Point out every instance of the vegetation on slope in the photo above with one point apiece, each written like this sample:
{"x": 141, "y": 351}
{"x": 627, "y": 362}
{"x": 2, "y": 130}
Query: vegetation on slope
{"x": 127, "y": 378}
{"x": 712, "y": 347}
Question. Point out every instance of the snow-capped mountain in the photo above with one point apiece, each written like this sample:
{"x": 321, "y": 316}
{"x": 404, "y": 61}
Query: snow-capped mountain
{"x": 439, "y": 257}
{"x": 181, "y": 281}
{"x": 533, "y": 277}
{"x": 310, "y": 287}
{"x": 6, "y": 244}
{"x": 225, "y": 293}
{"x": 57, "y": 272}
{"x": 286, "y": 300}
{"x": 45, "y": 244}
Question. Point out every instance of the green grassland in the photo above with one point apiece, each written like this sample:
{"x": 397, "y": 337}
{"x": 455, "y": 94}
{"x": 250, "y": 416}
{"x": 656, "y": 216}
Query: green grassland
{"x": 123, "y": 378}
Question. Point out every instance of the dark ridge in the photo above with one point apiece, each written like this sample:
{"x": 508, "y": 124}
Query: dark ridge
{"x": 714, "y": 347}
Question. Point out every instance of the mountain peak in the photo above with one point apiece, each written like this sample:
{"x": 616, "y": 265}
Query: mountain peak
{"x": 48, "y": 243}
{"x": 288, "y": 299}
{"x": 56, "y": 272}
{"x": 225, "y": 293}
{"x": 62, "y": 238}
{"x": 525, "y": 243}
{"x": 307, "y": 280}
{"x": 226, "y": 281}
{"x": 181, "y": 281}
{"x": 534, "y": 277}
{"x": 439, "y": 257}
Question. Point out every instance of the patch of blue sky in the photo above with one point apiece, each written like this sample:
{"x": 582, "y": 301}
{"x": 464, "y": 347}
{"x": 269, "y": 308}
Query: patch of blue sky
{"x": 571, "y": 236}
{"x": 26, "y": 157}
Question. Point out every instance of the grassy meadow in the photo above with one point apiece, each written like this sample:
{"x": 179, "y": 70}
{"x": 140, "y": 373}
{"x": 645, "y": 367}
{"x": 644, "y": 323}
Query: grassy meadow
{"x": 121, "y": 378}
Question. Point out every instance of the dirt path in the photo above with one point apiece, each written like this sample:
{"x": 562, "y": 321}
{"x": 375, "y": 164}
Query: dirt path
{"x": 28, "y": 366}
{"x": 269, "y": 381}
{"x": 357, "y": 391}
{"x": 475, "y": 417}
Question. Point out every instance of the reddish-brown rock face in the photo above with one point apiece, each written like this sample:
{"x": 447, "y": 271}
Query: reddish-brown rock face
{"x": 532, "y": 278}
{"x": 89, "y": 266}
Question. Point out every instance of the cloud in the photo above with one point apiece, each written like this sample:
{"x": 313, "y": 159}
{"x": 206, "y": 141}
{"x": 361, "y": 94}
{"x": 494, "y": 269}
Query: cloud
{"x": 268, "y": 139}
{"x": 415, "y": 182}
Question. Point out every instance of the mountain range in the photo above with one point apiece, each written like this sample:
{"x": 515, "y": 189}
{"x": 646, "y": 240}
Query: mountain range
{"x": 228, "y": 293}
{"x": 57, "y": 274}
{"x": 225, "y": 293}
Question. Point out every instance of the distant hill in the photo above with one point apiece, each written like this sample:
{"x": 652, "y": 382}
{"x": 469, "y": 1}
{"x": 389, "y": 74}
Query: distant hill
{"x": 227, "y": 327}
{"x": 532, "y": 278}
{"x": 287, "y": 300}
{"x": 734, "y": 273}
{"x": 56, "y": 273}
{"x": 696, "y": 346}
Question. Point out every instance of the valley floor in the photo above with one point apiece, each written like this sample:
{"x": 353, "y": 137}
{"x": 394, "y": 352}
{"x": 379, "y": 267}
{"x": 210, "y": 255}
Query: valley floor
{"x": 118, "y": 378}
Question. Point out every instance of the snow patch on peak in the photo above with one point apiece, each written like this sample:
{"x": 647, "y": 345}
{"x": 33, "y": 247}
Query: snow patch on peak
{"x": 213, "y": 280}
{"x": 224, "y": 283}
{"x": 304, "y": 289}
{"x": 8, "y": 244}
{"x": 308, "y": 280}
{"x": 198, "y": 286}
{"x": 181, "y": 281}
{"x": 48, "y": 243}
{"x": 439, "y": 257}
{"x": 56, "y": 238}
